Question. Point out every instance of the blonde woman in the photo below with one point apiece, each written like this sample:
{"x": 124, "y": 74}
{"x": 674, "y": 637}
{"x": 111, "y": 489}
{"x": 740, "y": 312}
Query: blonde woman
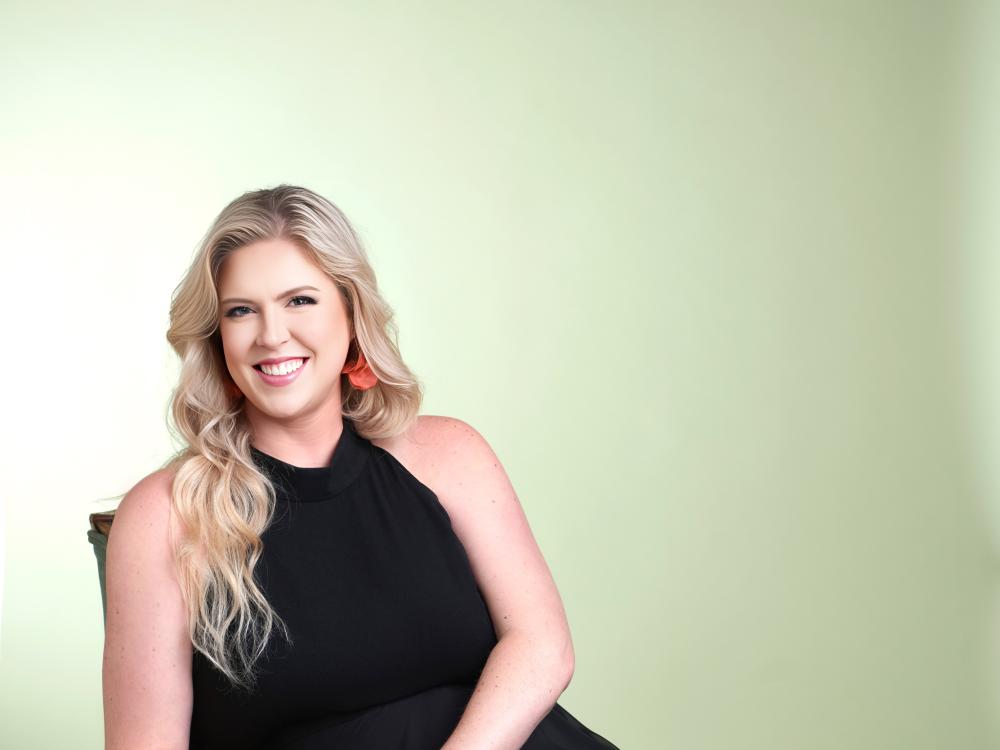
{"x": 320, "y": 567}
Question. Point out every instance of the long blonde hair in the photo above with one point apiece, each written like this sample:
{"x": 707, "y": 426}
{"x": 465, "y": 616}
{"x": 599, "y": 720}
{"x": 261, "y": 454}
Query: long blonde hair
{"x": 220, "y": 502}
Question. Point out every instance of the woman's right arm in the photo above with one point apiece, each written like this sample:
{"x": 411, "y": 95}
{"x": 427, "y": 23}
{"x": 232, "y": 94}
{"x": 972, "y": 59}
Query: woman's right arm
{"x": 147, "y": 652}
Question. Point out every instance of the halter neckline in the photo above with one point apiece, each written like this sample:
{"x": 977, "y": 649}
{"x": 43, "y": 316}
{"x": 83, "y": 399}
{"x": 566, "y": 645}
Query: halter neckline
{"x": 312, "y": 484}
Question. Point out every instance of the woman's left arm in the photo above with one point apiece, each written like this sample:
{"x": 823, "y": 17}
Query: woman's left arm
{"x": 533, "y": 660}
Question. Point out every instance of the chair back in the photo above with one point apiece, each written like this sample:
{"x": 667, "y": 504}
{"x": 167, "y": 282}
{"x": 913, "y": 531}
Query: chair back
{"x": 100, "y": 529}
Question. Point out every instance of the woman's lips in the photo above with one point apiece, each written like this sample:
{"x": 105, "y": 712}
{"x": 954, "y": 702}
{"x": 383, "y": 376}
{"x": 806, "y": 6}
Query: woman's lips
{"x": 282, "y": 379}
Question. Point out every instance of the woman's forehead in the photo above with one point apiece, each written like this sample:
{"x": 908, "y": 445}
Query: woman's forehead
{"x": 270, "y": 269}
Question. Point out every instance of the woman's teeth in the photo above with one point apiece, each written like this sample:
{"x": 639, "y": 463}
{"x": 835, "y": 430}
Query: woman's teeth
{"x": 289, "y": 365}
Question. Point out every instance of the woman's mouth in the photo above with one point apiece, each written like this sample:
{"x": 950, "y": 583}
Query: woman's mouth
{"x": 282, "y": 374}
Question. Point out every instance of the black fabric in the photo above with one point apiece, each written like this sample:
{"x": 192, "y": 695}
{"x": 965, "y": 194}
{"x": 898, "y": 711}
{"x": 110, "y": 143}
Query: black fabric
{"x": 389, "y": 629}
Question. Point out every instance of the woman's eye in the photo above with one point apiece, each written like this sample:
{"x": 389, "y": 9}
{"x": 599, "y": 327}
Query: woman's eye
{"x": 232, "y": 312}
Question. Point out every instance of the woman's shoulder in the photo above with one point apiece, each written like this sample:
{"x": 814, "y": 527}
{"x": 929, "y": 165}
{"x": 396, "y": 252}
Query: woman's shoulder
{"x": 148, "y": 502}
{"x": 449, "y": 456}
{"x": 427, "y": 443}
{"x": 154, "y": 488}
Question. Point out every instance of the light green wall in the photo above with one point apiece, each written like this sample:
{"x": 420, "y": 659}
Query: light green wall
{"x": 716, "y": 280}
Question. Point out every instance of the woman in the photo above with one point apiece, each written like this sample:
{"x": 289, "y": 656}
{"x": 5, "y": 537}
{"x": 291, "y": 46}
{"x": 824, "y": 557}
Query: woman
{"x": 320, "y": 567}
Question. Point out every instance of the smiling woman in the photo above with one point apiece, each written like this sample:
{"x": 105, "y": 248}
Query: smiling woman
{"x": 302, "y": 339}
{"x": 319, "y": 566}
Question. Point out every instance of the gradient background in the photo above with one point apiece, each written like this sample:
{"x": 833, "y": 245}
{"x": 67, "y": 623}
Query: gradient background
{"x": 718, "y": 282}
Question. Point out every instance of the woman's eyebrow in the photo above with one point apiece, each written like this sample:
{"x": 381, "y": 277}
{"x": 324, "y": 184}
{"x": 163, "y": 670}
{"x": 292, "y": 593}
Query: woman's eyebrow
{"x": 276, "y": 299}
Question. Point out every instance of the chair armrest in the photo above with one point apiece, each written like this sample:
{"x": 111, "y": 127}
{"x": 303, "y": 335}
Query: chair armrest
{"x": 97, "y": 535}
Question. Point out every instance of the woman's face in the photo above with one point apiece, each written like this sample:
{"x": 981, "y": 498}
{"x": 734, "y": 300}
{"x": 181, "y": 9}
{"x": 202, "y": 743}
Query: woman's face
{"x": 266, "y": 314}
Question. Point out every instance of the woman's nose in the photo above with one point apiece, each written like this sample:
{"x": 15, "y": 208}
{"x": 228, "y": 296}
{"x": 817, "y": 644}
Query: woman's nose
{"x": 273, "y": 332}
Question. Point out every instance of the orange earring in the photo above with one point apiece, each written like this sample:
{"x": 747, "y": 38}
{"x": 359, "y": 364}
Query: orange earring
{"x": 360, "y": 374}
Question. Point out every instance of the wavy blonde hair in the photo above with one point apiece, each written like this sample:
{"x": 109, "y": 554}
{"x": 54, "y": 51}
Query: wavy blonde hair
{"x": 220, "y": 502}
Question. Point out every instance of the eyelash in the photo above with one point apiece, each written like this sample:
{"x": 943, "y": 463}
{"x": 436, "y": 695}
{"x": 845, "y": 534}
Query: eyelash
{"x": 232, "y": 310}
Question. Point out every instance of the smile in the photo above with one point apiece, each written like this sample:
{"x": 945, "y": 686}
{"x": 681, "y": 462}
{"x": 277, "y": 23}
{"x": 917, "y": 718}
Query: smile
{"x": 281, "y": 374}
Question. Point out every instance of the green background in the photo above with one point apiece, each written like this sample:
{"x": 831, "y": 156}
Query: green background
{"x": 716, "y": 280}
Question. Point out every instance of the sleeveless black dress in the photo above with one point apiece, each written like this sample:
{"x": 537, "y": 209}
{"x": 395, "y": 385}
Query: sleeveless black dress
{"x": 389, "y": 629}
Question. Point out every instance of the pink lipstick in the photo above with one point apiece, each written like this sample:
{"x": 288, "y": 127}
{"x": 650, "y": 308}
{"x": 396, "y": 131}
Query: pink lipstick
{"x": 280, "y": 380}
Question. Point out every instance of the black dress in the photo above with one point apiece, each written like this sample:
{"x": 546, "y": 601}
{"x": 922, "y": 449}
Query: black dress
{"x": 389, "y": 629}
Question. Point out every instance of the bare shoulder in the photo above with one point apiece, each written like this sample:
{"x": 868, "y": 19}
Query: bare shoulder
{"x": 149, "y": 498}
{"x": 449, "y": 456}
{"x": 148, "y": 494}
{"x": 428, "y": 448}
{"x": 159, "y": 483}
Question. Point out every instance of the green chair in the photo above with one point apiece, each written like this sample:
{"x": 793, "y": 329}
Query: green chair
{"x": 100, "y": 528}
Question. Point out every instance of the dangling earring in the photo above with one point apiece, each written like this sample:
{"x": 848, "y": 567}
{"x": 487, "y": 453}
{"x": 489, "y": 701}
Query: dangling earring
{"x": 360, "y": 373}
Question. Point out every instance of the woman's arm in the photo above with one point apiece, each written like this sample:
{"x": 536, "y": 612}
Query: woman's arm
{"x": 533, "y": 660}
{"x": 146, "y": 674}
{"x": 521, "y": 682}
